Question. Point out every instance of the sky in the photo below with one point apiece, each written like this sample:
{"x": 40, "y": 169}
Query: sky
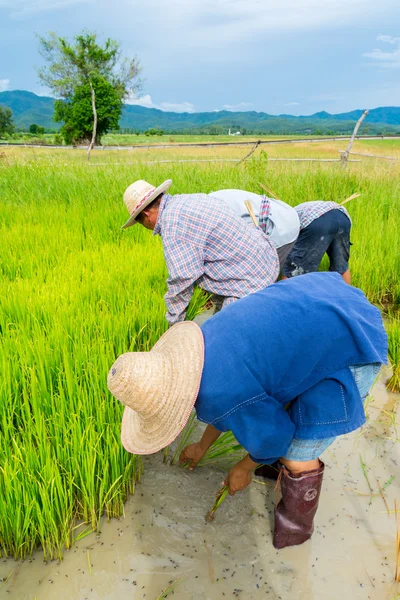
{"x": 276, "y": 56}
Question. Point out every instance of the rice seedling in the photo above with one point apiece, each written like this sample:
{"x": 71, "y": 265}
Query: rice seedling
{"x": 170, "y": 588}
{"x": 220, "y": 497}
{"x": 184, "y": 438}
{"x": 393, "y": 329}
{"x": 225, "y": 451}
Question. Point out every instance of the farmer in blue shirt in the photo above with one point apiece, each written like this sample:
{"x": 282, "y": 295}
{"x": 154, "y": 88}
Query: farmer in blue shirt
{"x": 286, "y": 369}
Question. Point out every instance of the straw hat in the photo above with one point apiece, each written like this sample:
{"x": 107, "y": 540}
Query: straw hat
{"x": 139, "y": 195}
{"x": 158, "y": 388}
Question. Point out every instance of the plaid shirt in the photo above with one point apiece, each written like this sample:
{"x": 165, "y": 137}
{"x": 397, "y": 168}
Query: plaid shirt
{"x": 309, "y": 211}
{"x": 265, "y": 209}
{"x": 207, "y": 245}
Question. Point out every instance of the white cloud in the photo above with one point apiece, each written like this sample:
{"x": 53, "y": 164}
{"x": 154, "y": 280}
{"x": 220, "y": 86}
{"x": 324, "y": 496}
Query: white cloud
{"x": 389, "y": 39}
{"x": 212, "y": 23}
{"x": 388, "y": 59}
{"x": 292, "y": 104}
{"x": 242, "y": 106}
{"x": 4, "y": 85}
{"x": 179, "y": 108}
{"x": 21, "y": 8}
{"x": 147, "y": 102}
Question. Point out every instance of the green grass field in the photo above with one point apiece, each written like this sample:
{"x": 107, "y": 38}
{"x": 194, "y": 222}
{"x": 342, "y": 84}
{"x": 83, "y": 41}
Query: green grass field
{"x": 77, "y": 291}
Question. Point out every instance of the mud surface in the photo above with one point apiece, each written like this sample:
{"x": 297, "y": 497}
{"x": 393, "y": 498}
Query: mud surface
{"x": 163, "y": 536}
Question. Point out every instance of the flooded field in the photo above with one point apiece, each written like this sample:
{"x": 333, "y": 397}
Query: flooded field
{"x": 163, "y": 538}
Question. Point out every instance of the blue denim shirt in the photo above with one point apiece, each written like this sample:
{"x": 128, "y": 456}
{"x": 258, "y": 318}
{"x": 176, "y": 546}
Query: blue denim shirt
{"x": 291, "y": 342}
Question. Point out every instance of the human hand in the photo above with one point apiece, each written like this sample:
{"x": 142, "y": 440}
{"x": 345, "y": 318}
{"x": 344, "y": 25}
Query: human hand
{"x": 238, "y": 478}
{"x": 192, "y": 454}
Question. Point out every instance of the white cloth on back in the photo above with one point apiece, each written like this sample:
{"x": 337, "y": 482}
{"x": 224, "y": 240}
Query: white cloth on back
{"x": 284, "y": 223}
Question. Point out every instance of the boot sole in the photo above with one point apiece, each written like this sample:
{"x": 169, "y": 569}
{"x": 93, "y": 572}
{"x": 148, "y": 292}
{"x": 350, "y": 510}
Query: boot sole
{"x": 290, "y": 540}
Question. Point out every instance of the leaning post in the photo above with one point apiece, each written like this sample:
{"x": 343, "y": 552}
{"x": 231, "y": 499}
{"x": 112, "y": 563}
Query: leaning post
{"x": 345, "y": 155}
{"x": 91, "y": 145}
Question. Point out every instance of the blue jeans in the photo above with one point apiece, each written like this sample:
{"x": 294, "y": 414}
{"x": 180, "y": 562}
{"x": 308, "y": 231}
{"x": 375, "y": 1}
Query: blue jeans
{"x": 329, "y": 233}
{"x": 304, "y": 450}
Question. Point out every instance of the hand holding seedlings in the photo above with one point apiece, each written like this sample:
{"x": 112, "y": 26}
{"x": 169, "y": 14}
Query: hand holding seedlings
{"x": 239, "y": 476}
{"x": 195, "y": 452}
{"x": 192, "y": 454}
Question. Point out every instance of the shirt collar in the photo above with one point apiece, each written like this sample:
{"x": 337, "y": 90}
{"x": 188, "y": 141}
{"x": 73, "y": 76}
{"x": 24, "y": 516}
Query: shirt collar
{"x": 157, "y": 227}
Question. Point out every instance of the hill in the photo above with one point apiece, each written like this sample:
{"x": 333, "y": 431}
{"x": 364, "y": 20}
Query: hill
{"x": 29, "y": 108}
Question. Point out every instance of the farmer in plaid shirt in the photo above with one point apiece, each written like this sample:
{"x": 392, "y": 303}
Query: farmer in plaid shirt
{"x": 205, "y": 244}
{"x": 324, "y": 227}
{"x": 275, "y": 218}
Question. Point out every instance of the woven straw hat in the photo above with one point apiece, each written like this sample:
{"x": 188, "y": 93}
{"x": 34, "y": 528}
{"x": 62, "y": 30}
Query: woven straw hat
{"x": 139, "y": 195}
{"x": 158, "y": 388}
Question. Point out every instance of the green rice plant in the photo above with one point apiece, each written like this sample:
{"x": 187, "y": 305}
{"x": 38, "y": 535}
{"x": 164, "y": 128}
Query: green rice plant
{"x": 70, "y": 304}
{"x": 170, "y": 588}
{"x": 393, "y": 329}
{"x": 225, "y": 451}
{"x": 220, "y": 497}
{"x": 184, "y": 438}
{"x": 77, "y": 291}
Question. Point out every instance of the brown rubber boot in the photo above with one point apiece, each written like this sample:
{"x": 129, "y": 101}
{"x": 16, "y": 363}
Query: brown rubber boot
{"x": 294, "y": 514}
{"x": 269, "y": 471}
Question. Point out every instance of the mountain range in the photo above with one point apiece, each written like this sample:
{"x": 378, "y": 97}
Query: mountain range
{"x": 29, "y": 108}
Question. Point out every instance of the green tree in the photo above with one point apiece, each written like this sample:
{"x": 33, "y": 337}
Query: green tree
{"x": 36, "y": 129}
{"x": 90, "y": 81}
{"x": 6, "y": 121}
{"x": 154, "y": 131}
{"x": 77, "y": 114}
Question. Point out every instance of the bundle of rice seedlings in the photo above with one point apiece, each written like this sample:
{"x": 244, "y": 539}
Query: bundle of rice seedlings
{"x": 220, "y": 497}
{"x": 225, "y": 451}
{"x": 184, "y": 439}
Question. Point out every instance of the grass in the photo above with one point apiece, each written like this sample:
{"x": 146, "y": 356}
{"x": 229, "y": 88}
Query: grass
{"x": 77, "y": 291}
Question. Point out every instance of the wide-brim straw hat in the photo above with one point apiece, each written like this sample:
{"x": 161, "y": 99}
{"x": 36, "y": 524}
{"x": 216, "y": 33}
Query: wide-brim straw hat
{"x": 139, "y": 195}
{"x": 158, "y": 388}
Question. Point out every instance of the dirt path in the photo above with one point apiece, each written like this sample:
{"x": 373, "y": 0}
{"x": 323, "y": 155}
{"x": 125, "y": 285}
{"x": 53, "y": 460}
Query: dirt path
{"x": 163, "y": 536}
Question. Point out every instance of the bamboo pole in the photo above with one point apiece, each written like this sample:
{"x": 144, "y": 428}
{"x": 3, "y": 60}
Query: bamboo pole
{"x": 345, "y": 155}
{"x": 268, "y": 190}
{"x": 250, "y": 210}
{"x": 350, "y": 198}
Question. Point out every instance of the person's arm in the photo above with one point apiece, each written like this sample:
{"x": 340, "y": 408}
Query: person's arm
{"x": 185, "y": 266}
{"x": 239, "y": 476}
{"x": 265, "y": 430}
{"x": 195, "y": 452}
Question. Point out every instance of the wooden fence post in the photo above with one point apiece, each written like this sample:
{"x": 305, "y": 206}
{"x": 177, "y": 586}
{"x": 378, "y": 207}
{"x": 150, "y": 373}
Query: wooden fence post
{"x": 345, "y": 155}
{"x": 92, "y": 143}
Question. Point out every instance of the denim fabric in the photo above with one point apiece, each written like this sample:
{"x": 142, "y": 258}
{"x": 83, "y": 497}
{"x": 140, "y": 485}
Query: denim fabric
{"x": 329, "y": 233}
{"x": 259, "y": 357}
{"x": 303, "y": 450}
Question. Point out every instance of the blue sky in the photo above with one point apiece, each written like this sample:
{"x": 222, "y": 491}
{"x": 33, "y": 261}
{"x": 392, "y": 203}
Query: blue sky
{"x": 276, "y": 56}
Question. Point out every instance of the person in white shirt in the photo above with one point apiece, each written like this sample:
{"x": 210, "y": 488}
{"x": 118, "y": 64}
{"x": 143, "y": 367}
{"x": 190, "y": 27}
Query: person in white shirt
{"x": 276, "y": 218}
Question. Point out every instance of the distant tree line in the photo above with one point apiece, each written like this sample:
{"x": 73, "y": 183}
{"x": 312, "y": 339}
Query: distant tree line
{"x": 35, "y": 133}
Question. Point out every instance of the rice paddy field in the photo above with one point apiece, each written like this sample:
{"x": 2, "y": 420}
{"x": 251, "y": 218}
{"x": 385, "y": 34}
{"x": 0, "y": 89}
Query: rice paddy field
{"x": 76, "y": 291}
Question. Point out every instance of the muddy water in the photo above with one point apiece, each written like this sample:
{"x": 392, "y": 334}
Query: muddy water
{"x": 163, "y": 536}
